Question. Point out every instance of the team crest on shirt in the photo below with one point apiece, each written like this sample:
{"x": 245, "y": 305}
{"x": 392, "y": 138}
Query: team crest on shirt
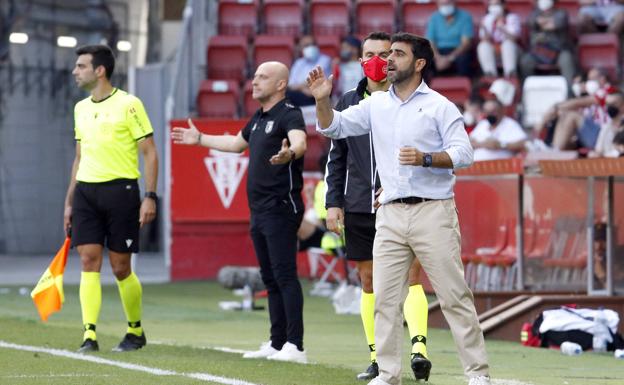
{"x": 269, "y": 126}
{"x": 254, "y": 127}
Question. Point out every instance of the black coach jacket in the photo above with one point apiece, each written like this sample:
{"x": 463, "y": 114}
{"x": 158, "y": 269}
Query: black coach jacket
{"x": 351, "y": 175}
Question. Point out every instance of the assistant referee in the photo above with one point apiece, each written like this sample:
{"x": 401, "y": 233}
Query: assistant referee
{"x": 103, "y": 205}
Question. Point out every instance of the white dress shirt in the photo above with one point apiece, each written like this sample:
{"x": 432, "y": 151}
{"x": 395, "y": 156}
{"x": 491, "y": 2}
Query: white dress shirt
{"x": 426, "y": 121}
{"x": 506, "y": 132}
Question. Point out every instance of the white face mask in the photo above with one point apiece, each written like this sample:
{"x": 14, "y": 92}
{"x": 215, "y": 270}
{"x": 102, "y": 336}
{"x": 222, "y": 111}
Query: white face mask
{"x": 495, "y": 10}
{"x": 591, "y": 86}
{"x": 311, "y": 52}
{"x": 576, "y": 89}
{"x": 469, "y": 118}
{"x": 545, "y": 5}
{"x": 446, "y": 10}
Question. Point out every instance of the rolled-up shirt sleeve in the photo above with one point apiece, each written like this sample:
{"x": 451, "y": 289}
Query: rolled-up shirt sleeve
{"x": 353, "y": 121}
{"x": 455, "y": 141}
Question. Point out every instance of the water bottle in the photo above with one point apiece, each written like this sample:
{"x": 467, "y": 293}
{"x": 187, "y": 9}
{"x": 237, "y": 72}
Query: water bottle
{"x": 619, "y": 353}
{"x": 571, "y": 348}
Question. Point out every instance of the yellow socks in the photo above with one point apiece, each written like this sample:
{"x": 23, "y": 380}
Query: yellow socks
{"x": 131, "y": 295}
{"x": 367, "y": 312}
{"x": 415, "y": 311}
{"x": 90, "y": 302}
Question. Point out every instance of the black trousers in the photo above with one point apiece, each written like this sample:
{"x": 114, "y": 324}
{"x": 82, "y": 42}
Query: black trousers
{"x": 274, "y": 235}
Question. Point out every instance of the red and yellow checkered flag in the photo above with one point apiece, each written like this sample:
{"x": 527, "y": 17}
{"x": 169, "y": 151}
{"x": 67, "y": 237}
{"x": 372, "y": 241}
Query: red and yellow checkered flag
{"x": 48, "y": 294}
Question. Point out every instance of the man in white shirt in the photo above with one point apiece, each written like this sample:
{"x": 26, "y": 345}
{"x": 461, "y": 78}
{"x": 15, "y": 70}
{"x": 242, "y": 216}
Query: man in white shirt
{"x": 497, "y": 136}
{"x": 418, "y": 138}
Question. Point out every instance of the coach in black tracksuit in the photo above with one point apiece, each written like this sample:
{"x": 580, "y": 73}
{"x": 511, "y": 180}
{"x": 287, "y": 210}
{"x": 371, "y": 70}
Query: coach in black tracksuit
{"x": 276, "y": 138}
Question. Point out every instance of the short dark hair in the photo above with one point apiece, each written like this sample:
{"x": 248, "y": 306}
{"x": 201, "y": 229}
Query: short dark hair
{"x": 101, "y": 55}
{"x": 421, "y": 47}
{"x": 377, "y": 35}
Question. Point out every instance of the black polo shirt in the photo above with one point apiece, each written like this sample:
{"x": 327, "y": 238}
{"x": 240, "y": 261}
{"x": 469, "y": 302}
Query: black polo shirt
{"x": 269, "y": 186}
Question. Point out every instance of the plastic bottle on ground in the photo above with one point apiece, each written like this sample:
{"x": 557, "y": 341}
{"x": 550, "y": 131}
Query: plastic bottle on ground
{"x": 571, "y": 348}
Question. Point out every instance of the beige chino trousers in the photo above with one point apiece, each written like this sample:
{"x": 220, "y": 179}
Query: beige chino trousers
{"x": 429, "y": 230}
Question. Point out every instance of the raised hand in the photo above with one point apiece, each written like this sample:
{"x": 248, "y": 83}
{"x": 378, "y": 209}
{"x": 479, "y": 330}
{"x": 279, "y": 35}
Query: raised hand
{"x": 189, "y": 136}
{"x": 319, "y": 85}
{"x": 284, "y": 155}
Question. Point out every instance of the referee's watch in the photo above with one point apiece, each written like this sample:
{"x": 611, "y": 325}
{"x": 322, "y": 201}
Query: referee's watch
{"x": 152, "y": 195}
{"x": 427, "y": 160}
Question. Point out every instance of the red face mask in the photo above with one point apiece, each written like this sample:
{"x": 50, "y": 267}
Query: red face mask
{"x": 375, "y": 68}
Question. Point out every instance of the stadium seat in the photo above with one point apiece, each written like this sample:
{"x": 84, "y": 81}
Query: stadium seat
{"x": 273, "y": 48}
{"x": 328, "y": 44}
{"x": 416, "y": 15}
{"x": 456, "y": 89}
{"x": 522, "y": 8}
{"x": 283, "y": 17}
{"x": 329, "y": 17}
{"x": 238, "y": 17}
{"x": 249, "y": 104}
{"x": 600, "y": 50}
{"x": 316, "y": 147}
{"x": 572, "y": 7}
{"x": 374, "y": 15}
{"x": 218, "y": 99}
{"x": 227, "y": 57}
{"x": 539, "y": 93}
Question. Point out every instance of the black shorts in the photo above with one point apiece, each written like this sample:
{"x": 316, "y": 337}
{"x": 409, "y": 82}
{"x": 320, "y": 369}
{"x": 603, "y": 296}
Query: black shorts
{"x": 359, "y": 236}
{"x": 107, "y": 214}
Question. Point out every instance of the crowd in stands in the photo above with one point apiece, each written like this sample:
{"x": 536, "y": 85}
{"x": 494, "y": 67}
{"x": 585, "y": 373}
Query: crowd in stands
{"x": 475, "y": 43}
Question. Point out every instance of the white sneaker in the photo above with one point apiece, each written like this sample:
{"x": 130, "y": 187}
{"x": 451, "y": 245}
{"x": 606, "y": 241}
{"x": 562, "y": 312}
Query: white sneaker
{"x": 479, "y": 380}
{"x": 265, "y": 351}
{"x": 290, "y": 353}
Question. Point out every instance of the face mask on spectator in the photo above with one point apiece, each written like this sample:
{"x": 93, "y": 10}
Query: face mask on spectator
{"x": 375, "y": 68}
{"x": 495, "y": 10}
{"x": 311, "y": 52}
{"x": 345, "y": 54}
{"x": 545, "y": 5}
{"x": 492, "y": 119}
{"x": 576, "y": 89}
{"x": 612, "y": 111}
{"x": 469, "y": 118}
{"x": 446, "y": 10}
{"x": 591, "y": 86}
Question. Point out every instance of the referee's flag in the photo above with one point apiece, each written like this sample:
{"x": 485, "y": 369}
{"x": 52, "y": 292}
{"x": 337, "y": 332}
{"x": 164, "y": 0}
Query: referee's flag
{"x": 48, "y": 294}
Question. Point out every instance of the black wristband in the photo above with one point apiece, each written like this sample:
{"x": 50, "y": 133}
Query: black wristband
{"x": 151, "y": 195}
{"x": 427, "y": 160}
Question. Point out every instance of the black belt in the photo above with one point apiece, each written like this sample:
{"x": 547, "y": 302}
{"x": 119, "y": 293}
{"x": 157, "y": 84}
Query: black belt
{"x": 410, "y": 200}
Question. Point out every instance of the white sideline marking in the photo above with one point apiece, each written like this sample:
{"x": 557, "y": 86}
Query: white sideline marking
{"x": 124, "y": 365}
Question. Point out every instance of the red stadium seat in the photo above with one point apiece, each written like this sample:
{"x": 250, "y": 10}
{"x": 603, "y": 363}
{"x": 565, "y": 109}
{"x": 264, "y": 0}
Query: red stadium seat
{"x": 283, "y": 17}
{"x": 238, "y": 17}
{"x": 416, "y": 15}
{"x": 572, "y": 7}
{"x": 227, "y": 57}
{"x": 522, "y": 8}
{"x": 329, "y": 17}
{"x": 328, "y": 44}
{"x": 600, "y": 50}
{"x": 218, "y": 99}
{"x": 249, "y": 104}
{"x": 456, "y": 89}
{"x": 374, "y": 15}
{"x": 316, "y": 147}
{"x": 273, "y": 48}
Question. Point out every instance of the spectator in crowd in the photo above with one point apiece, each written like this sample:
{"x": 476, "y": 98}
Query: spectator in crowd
{"x": 605, "y": 147}
{"x": 579, "y": 119}
{"x": 549, "y": 43}
{"x": 601, "y": 13}
{"x": 450, "y": 31}
{"x": 472, "y": 112}
{"x": 311, "y": 56}
{"x": 348, "y": 68}
{"x": 496, "y": 136}
{"x": 618, "y": 142}
{"x": 499, "y": 33}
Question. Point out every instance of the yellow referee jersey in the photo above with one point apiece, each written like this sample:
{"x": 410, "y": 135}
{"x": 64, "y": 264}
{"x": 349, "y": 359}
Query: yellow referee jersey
{"x": 109, "y": 131}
